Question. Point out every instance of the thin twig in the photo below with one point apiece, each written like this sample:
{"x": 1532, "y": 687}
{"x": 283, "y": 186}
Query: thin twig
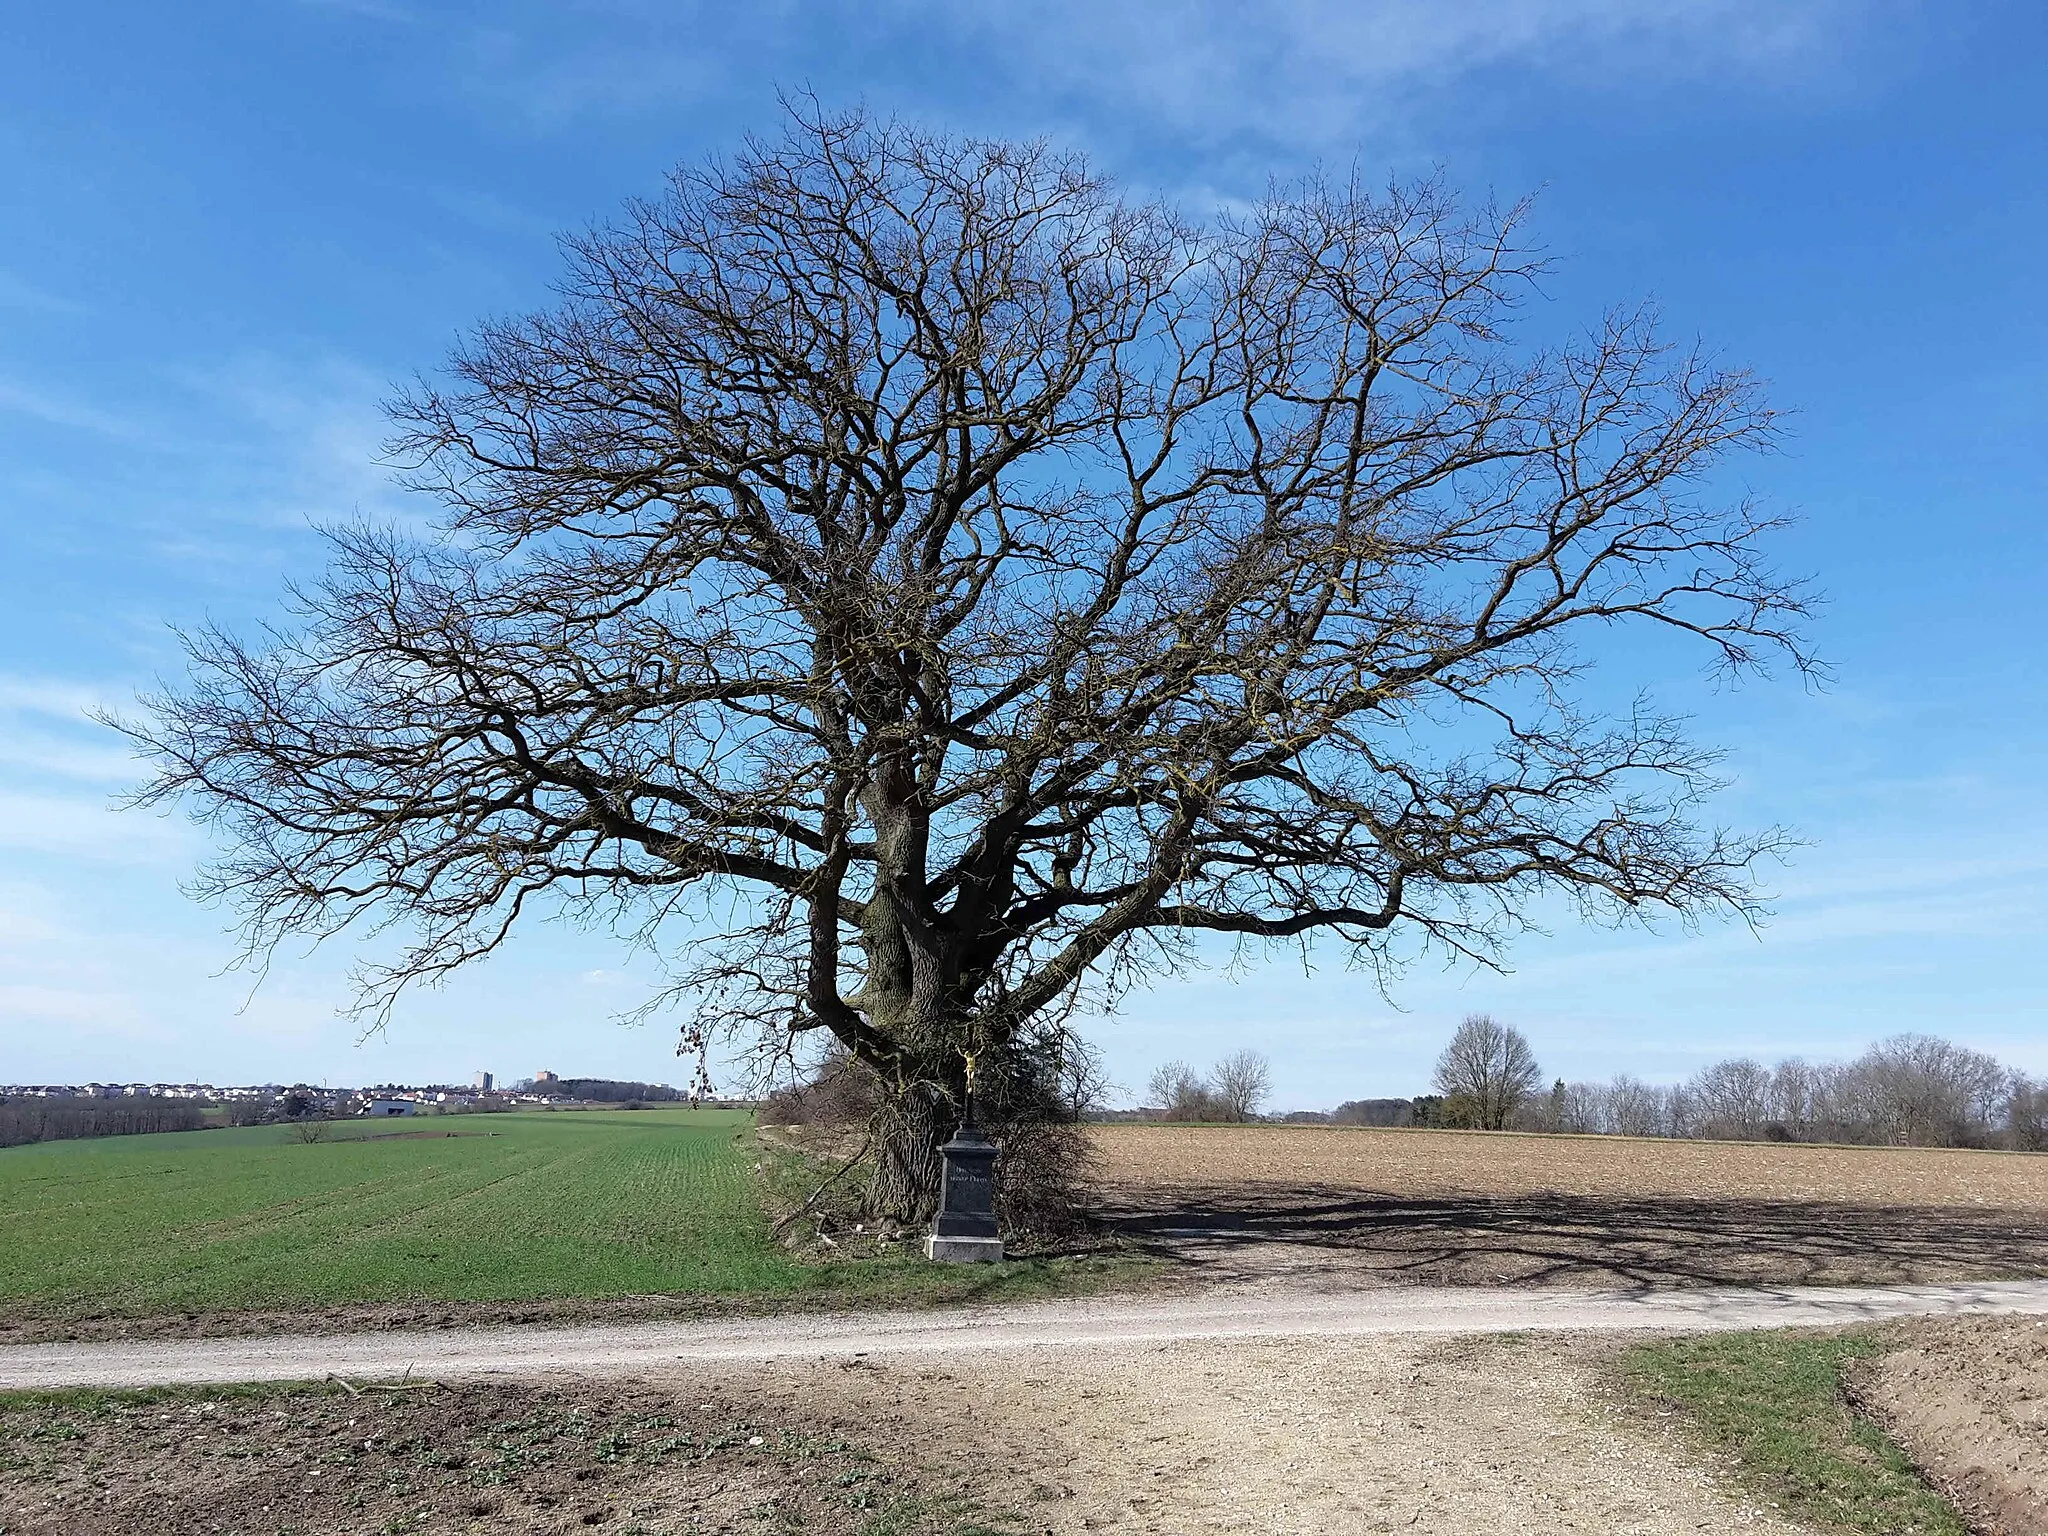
{"x": 811, "y": 1199}
{"x": 355, "y": 1389}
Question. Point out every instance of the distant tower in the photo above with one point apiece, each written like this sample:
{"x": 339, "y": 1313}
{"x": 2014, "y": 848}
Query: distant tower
{"x": 544, "y": 1077}
{"x": 484, "y": 1082}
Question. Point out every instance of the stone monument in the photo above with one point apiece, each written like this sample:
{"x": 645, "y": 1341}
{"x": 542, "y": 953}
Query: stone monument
{"x": 964, "y": 1231}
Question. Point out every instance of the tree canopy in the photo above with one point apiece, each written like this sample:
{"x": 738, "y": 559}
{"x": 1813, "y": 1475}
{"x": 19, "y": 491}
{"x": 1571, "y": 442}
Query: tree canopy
{"x": 941, "y": 579}
{"x": 1485, "y": 1074}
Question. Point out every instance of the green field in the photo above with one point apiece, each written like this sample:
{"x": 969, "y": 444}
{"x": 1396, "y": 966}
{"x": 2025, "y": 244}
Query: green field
{"x": 510, "y": 1207}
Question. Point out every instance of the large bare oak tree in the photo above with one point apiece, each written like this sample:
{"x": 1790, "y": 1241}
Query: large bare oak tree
{"x": 946, "y": 580}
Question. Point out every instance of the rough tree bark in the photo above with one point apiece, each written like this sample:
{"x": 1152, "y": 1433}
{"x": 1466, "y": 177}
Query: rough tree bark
{"x": 905, "y": 580}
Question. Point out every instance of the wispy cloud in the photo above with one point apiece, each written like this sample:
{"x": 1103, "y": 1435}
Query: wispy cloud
{"x": 1307, "y": 73}
{"x": 1313, "y": 71}
{"x": 57, "y": 409}
{"x": 52, "y": 755}
{"x": 73, "y": 1006}
{"x": 50, "y": 696}
{"x": 59, "y": 771}
{"x": 88, "y": 828}
{"x": 1317, "y": 69}
{"x": 376, "y": 10}
{"x": 312, "y": 434}
{"x": 46, "y": 732}
{"x": 18, "y": 292}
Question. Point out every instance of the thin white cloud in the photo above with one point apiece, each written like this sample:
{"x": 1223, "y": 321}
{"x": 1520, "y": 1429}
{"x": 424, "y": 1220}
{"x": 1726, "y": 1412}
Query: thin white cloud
{"x": 1313, "y": 73}
{"x": 19, "y": 293}
{"x": 51, "y": 696}
{"x": 312, "y": 432}
{"x": 61, "y": 757}
{"x": 57, "y": 409}
{"x": 45, "y": 732}
{"x": 87, "y": 828}
{"x": 74, "y": 1007}
{"x": 1317, "y": 69}
{"x": 374, "y": 10}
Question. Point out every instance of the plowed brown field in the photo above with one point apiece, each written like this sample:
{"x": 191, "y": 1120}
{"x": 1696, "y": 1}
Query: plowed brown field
{"x": 1437, "y": 1163}
{"x": 1454, "y": 1208}
{"x": 1969, "y": 1399}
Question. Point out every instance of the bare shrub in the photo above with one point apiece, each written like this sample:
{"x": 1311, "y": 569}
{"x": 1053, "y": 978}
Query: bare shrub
{"x": 1908, "y": 1090}
{"x": 1082, "y": 1079}
{"x": 839, "y": 1091}
{"x": 1379, "y": 1112}
{"x": 309, "y": 1131}
{"x": 1793, "y": 1085}
{"x": 1243, "y": 1081}
{"x": 1231, "y": 1093}
{"x": 1027, "y": 1098}
{"x": 1930, "y": 1092}
{"x": 1635, "y": 1108}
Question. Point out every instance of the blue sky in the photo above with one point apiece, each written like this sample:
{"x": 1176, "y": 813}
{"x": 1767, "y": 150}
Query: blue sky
{"x": 231, "y": 228}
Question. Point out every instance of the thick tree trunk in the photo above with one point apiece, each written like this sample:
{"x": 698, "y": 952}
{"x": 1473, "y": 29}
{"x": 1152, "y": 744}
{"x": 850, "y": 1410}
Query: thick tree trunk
{"x": 905, "y": 1183}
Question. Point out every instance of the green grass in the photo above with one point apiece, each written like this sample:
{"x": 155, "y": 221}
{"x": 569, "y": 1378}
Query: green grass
{"x": 512, "y": 1207}
{"x": 1773, "y": 1402}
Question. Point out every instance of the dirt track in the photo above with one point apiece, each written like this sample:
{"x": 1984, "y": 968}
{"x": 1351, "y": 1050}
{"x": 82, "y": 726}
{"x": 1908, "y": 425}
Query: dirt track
{"x": 1498, "y": 1436}
{"x": 1463, "y": 1412}
{"x": 1251, "y": 1313}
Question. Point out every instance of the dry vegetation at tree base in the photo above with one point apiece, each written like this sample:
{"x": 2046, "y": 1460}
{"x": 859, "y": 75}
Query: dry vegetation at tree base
{"x": 497, "y": 1209}
{"x": 627, "y": 1459}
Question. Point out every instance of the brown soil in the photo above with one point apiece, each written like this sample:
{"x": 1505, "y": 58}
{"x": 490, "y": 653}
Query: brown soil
{"x": 683, "y": 1457}
{"x": 1968, "y": 1399}
{"x": 1440, "y": 1163}
{"x": 1469, "y": 1437}
{"x": 1462, "y": 1208}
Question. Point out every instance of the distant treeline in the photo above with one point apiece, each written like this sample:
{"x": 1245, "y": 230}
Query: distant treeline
{"x": 1914, "y": 1090}
{"x": 26, "y": 1120}
{"x": 1910, "y": 1090}
{"x": 606, "y": 1091}
{"x": 1384, "y": 1112}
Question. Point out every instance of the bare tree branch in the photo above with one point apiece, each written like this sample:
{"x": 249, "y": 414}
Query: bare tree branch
{"x": 978, "y": 581}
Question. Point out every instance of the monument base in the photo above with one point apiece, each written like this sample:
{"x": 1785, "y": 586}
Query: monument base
{"x": 964, "y": 1250}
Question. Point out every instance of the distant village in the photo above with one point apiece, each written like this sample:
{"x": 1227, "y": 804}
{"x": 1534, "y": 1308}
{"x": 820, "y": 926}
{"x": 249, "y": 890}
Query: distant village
{"x": 251, "y": 1102}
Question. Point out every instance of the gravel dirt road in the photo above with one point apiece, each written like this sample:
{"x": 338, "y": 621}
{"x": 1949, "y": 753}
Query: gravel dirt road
{"x": 1488, "y": 1435}
{"x": 1249, "y": 1313}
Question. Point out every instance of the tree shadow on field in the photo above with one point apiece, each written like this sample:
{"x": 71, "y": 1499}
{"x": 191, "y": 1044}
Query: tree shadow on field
{"x": 1547, "y": 1239}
